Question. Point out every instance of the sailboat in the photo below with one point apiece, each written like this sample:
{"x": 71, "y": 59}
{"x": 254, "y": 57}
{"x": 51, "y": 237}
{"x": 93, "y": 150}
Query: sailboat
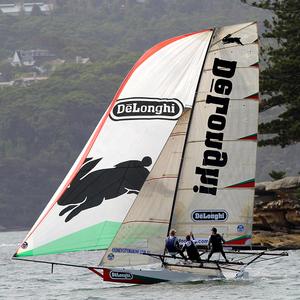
{"x": 176, "y": 148}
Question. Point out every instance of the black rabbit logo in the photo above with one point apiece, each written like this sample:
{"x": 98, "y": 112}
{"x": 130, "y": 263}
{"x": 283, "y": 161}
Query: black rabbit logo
{"x": 89, "y": 189}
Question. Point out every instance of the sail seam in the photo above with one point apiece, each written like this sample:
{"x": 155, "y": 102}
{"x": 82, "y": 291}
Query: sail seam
{"x": 221, "y": 188}
{"x": 229, "y": 47}
{"x": 163, "y": 177}
{"x": 146, "y": 221}
{"x": 238, "y": 67}
{"x": 242, "y": 139}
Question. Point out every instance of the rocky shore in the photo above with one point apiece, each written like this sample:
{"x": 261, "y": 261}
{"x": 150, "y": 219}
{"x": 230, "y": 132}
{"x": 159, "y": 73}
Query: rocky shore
{"x": 276, "y": 220}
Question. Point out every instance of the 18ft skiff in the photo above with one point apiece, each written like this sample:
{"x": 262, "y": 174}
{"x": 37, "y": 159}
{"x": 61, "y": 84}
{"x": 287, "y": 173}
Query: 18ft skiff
{"x": 176, "y": 148}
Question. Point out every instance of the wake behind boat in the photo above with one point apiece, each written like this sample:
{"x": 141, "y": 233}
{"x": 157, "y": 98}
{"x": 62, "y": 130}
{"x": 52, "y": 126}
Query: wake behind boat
{"x": 175, "y": 149}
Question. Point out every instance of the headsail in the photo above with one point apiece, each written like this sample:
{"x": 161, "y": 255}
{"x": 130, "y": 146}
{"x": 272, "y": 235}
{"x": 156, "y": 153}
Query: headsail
{"x": 147, "y": 222}
{"x": 92, "y": 201}
{"x": 216, "y": 185}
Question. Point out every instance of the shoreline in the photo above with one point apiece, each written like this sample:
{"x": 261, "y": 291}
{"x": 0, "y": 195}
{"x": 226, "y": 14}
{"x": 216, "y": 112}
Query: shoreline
{"x": 271, "y": 239}
{"x": 13, "y": 229}
{"x": 278, "y": 239}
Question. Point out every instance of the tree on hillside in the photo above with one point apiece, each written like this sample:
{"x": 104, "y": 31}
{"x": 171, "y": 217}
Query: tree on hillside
{"x": 280, "y": 80}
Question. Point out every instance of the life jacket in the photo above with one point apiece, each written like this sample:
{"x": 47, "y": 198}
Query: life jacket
{"x": 216, "y": 242}
{"x": 191, "y": 250}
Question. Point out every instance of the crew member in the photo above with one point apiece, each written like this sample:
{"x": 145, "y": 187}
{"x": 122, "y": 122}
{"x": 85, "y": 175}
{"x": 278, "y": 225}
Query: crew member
{"x": 191, "y": 249}
{"x": 215, "y": 244}
{"x": 172, "y": 245}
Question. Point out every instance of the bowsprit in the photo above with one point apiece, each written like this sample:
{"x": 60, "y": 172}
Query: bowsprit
{"x": 213, "y": 156}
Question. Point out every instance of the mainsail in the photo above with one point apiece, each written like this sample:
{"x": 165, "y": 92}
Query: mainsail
{"x": 216, "y": 184}
{"x": 213, "y": 170}
{"x": 88, "y": 208}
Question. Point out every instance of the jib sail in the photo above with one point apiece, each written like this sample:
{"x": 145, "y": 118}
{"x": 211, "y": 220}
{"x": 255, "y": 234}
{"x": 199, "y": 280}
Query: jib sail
{"x": 147, "y": 222}
{"x": 89, "y": 206}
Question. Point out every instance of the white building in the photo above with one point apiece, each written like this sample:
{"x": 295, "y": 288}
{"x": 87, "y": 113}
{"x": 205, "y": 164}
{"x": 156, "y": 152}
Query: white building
{"x": 30, "y": 57}
{"x": 16, "y": 9}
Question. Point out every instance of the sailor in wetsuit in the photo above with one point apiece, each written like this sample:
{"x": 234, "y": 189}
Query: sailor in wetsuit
{"x": 191, "y": 249}
{"x": 215, "y": 244}
{"x": 172, "y": 245}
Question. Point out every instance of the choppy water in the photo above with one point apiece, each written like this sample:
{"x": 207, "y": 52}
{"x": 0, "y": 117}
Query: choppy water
{"x": 274, "y": 280}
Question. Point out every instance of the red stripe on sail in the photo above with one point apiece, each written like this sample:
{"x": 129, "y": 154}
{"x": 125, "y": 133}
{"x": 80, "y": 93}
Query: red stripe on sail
{"x": 237, "y": 242}
{"x": 253, "y": 97}
{"x": 96, "y": 132}
{"x": 245, "y": 184}
{"x": 252, "y": 137}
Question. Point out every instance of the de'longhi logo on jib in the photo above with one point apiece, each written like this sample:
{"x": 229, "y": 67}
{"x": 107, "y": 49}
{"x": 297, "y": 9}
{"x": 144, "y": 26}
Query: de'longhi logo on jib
{"x": 140, "y": 108}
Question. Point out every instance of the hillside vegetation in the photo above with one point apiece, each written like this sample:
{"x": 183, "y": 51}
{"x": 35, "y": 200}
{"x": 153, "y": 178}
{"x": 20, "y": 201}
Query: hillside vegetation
{"x": 44, "y": 126}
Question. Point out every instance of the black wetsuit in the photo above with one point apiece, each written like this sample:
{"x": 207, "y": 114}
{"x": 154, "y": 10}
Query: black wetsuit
{"x": 192, "y": 251}
{"x": 216, "y": 245}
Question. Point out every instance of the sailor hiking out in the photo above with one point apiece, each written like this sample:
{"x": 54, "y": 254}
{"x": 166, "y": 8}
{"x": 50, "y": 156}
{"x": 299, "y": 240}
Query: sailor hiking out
{"x": 215, "y": 244}
{"x": 191, "y": 249}
{"x": 172, "y": 245}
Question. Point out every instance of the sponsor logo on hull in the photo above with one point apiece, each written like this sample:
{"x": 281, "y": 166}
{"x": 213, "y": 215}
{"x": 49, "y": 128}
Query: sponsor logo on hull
{"x": 139, "y": 108}
{"x": 120, "y": 275}
{"x": 219, "y": 215}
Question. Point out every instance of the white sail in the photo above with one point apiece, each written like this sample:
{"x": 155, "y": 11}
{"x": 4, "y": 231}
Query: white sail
{"x": 216, "y": 177}
{"x": 147, "y": 222}
{"x": 216, "y": 185}
{"x": 87, "y": 209}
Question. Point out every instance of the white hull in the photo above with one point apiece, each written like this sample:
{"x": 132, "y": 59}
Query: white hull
{"x": 174, "y": 273}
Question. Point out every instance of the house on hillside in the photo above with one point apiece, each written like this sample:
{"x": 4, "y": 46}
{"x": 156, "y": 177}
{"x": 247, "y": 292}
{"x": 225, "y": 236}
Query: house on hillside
{"x": 82, "y": 60}
{"x": 21, "y": 7}
{"x": 30, "y": 57}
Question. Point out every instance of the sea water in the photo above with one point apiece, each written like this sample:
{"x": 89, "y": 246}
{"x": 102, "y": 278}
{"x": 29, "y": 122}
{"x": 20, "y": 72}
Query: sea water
{"x": 274, "y": 279}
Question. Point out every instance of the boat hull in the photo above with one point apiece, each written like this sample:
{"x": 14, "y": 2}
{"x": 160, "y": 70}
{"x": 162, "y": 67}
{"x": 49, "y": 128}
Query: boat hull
{"x": 178, "y": 274}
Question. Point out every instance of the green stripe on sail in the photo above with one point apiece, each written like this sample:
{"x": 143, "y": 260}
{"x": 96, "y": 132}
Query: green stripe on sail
{"x": 96, "y": 237}
{"x": 246, "y": 236}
